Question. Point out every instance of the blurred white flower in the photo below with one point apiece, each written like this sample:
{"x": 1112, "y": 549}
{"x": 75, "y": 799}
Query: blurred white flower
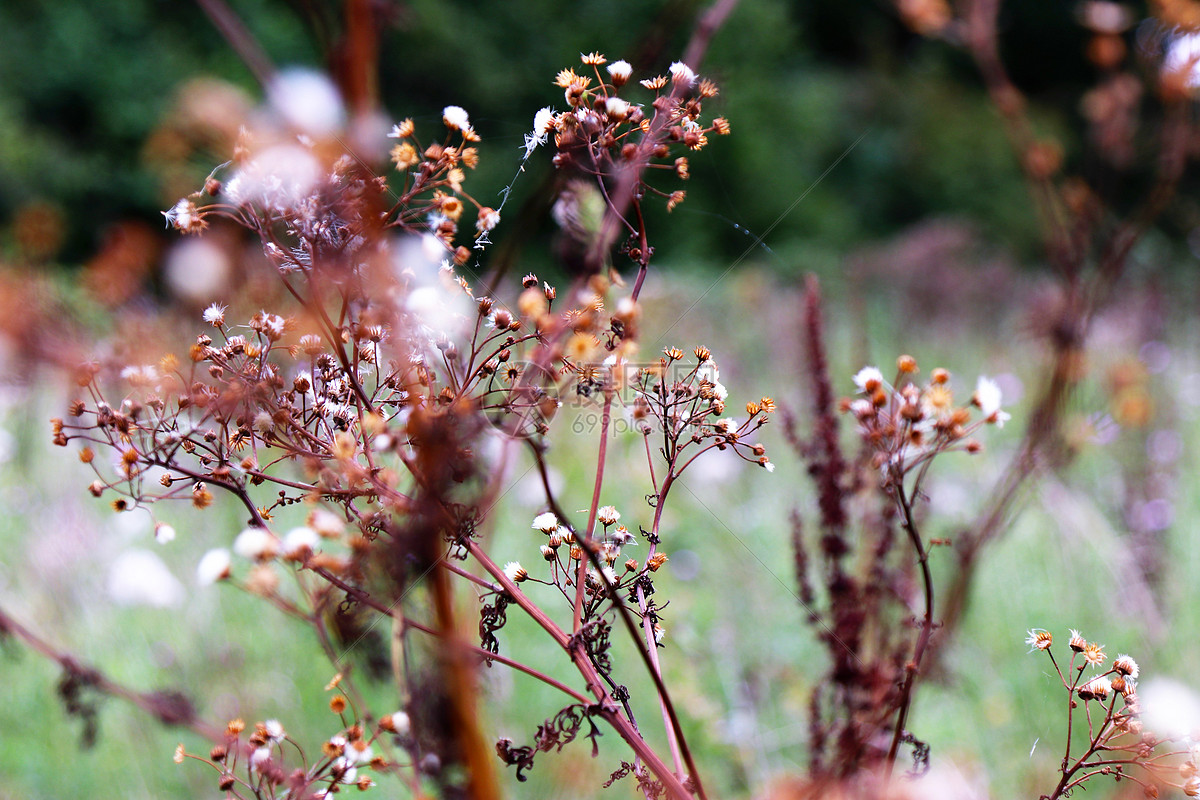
{"x": 868, "y": 377}
{"x": 1169, "y": 708}
{"x": 140, "y": 578}
{"x": 213, "y": 567}
{"x": 456, "y": 117}
{"x": 308, "y": 101}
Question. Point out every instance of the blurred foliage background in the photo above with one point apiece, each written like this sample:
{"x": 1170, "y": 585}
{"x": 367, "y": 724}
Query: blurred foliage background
{"x": 90, "y": 95}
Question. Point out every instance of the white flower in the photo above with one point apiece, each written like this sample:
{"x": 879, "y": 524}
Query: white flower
{"x": 396, "y": 132}
{"x": 326, "y": 523}
{"x": 257, "y": 544}
{"x": 987, "y": 397}
{"x": 868, "y": 378}
{"x": 719, "y": 391}
{"x": 308, "y": 100}
{"x": 140, "y": 578}
{"x": 726, "y": 425}
{"x": 1170, "y": 709}
{"x": 620, "y": 70}
{"x": 621, "y": 536}
{"x": 213, "y": 567}
{"x": 862, "y": 408}
{"x": 543, "y": 120}
{"x": 1038, "y": 639}
{"x": 770, "y": 466}
{"x": 259, "y": 757}
{"x": 164, "y": 533}
{"x": 300, "y": 541}
{"x": 356, "y": 756}
{"x": 1126, "y": 666}
{"x": 349, "y": 773}
{"x": 546, "y": 523}
{"x": 682, "y": 73}
{"x": 456, "y": 117}
{"x": 215, "y": 315}
{"x": 607, "y": 515}
{"x": 398, "y": 722}
{"x": 515, "y": 572}
{"x": 1183, "y": 56}
{"x": 488, "y": 219}
{"x": 1099, "y": 688}
{"x": 183, "y": 215}
{"x": 275, "y": 730}
{"x": 264, "y": 423}
{"x": 616, "y": 107}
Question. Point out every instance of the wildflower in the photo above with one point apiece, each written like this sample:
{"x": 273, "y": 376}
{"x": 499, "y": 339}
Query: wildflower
{"x": 327, "y": 524}
{"x": 593, "y": 59}
{"x": 655, "y": 562}
{"x": 767, "y": 464}
{"x": 987, "y": 397}
{"x": 488, "y": 218}
{"x": 300, "y": 542}
{"x": 682, "y": 73}
{"x": 264, "y": 423}
{"x": 868, "y": 379}
{"x": 1093, "y": 654}
{"x": 1126, "y": 666}
{"x": 256, "y": 543}
{"x": 546, "y": 523}
{"x": 403, "y": 130}
{"x": 515, "y": 572}
{"x": 620, "y": 71}
{"x": 397, "y": 722}
{"x": 214, "y": 566}
{"x": 621, "y": 536}
{"x": 1039, "y": 639}
{"x": 404, "y": 156}
{"x": 260, "y": 756}
{"x": 163, "y": 533}
{"x": 1097, "y": 688}
{"x": 456, "y": 117}
{"x": 185, "y": 217}
{"x": 607, "y": 515}
{"x": 1077, "y": 642}
{"x": 215, "y": 315}
{"x": 547, "y": 552}
{"x": 617, "y": 108}
{"x": 179, "y": 753}
{"x": 275, "y": 730}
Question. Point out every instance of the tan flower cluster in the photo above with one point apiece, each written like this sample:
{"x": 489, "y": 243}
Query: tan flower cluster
{"x": 906, "y": 423}
{"x": 602, "y": 130}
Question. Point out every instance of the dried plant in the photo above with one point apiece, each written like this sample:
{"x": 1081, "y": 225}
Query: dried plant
{"x": 353, "y": 426}
{"x": 869, "y": 595}
{"x": 351, "y": 429}
{"x": 1117, "y": 744}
